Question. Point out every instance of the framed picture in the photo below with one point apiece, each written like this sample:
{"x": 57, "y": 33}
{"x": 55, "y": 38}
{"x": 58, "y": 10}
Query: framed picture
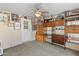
{"x": 17, "y": 25}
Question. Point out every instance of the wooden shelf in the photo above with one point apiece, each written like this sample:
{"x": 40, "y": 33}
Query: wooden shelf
{"x": 72, "y": 29}
{"x": 49, "y": 24}
{"x": 72, "y": 25}
{"x": 59, "y": 23}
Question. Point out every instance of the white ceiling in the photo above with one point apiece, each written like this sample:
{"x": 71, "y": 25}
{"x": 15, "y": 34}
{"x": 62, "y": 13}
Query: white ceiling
{"x": 27, "y": 8}
{"x": 56, "y": 8}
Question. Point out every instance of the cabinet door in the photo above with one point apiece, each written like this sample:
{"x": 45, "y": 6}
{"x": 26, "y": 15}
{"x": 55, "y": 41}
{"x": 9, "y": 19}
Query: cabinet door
{"x": 40, "y": 38}
{"x": 58, "y": 39}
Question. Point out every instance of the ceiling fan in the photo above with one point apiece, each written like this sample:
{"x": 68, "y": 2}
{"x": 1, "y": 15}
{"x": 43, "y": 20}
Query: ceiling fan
{"x": 38, "y": 11}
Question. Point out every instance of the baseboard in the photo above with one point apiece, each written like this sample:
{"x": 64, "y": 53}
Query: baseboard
{"x": 18, "y": 44}
{"x": 13, "y": 46}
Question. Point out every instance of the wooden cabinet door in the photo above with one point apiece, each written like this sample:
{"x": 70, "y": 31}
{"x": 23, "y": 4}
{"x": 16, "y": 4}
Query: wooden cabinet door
{"x": 40, "y": 38}
{"x": 58, "y": 39}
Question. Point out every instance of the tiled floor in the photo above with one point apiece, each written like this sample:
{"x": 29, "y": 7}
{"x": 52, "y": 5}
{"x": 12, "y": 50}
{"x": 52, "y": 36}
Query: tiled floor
{"x": 34, "y": 48}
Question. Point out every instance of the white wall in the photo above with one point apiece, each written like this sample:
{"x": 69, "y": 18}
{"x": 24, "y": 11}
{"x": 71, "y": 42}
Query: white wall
{"x": 9, "y": 37}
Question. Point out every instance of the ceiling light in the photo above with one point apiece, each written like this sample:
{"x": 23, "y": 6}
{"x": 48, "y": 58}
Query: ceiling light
{"x": 38, "y": 14}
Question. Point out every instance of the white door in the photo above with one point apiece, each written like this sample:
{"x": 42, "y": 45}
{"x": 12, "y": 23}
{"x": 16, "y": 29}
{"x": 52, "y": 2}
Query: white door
{"x": 26, "y": 30}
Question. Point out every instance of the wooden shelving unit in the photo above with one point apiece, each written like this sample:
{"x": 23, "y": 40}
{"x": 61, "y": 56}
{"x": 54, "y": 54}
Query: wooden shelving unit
{"x": 40, "y": 33}
{"x": 61, "y": 30}
{"x": 56, "y": 31}
{"x": 58, "y": 37}
{"x": 48, "y": 27}
{"x": 72, "y": 25}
